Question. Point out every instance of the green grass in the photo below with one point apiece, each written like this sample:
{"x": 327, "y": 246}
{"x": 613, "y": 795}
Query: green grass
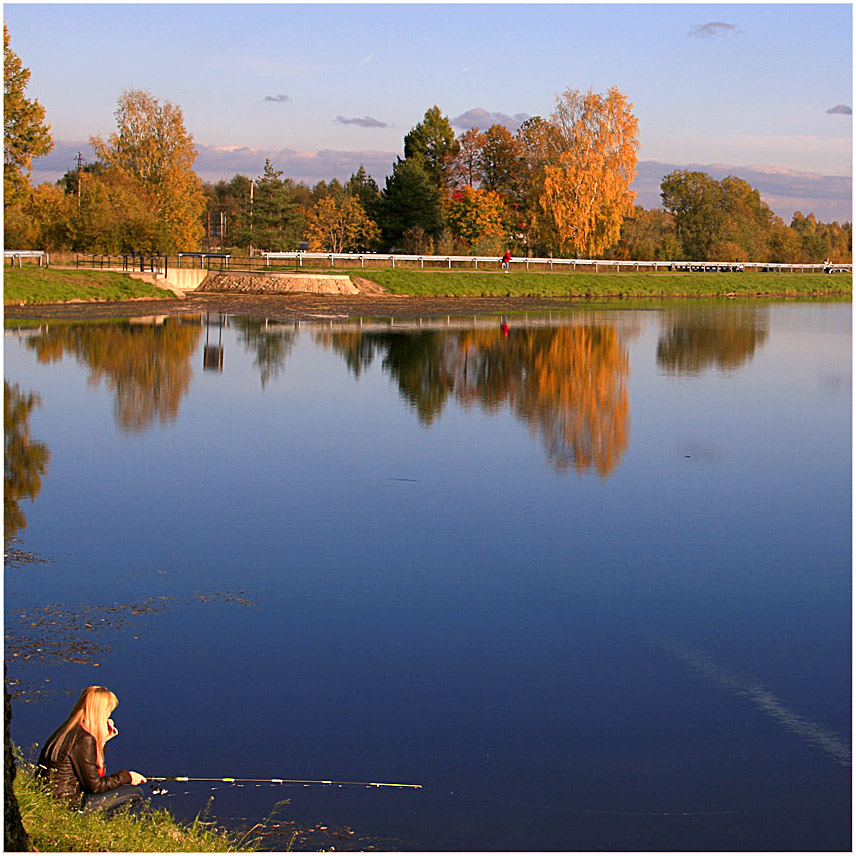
{"x": 596, "y": 285}
{"x": 54, "y": 285}
{"x": 55, "y": 828}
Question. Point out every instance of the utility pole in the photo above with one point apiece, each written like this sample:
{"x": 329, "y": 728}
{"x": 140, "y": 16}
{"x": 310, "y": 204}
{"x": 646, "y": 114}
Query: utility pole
{"x": 79, "y": 175}
{"x": 252, "y": 187}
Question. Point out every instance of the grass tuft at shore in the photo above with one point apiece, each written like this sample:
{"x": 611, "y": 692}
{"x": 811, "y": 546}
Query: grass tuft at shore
{"x": 31, "y": 284}
{"x": 55, "y": 828}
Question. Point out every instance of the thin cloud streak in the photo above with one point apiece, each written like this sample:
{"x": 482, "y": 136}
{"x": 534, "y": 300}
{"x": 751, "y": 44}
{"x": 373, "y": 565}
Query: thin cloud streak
{"x": 712, "y": 30}
{"x": 364, "y": 122}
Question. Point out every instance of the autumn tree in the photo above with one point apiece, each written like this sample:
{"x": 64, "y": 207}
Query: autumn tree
{"x": 464, "y": 166}
{"x": 340, "y": 225}
{"x": 586, "y": 192}
{"x": 818, "y": 241}
{"x": 647, "y": 235}
{"x": 53, "y": 212}
{"x": 719, "y": 220}
{"x": 25, "y": 134}
{"x": 695, "y": 200}
{"x": 115, "y": 214}
{"x": 499, "y": 162}
{"x": 153, "y": 148}
{"x": 537, "y": 145}
{"x": 476, "y": 217}
{"x": 432, "y": 143}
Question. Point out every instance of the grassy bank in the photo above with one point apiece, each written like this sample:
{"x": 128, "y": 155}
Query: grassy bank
{"x": 595, "y": 285}
{"x": 54, "y": 828}
{"x": 52, "y": 285}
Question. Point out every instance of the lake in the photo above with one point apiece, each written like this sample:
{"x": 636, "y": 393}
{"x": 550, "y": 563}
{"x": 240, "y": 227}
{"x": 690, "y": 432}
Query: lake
{"x": 585, "y": 577}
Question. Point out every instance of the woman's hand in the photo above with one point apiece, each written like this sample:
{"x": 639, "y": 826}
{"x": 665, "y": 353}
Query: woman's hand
{"x": 137, "y": 779}
{"x": 112, "y": 731}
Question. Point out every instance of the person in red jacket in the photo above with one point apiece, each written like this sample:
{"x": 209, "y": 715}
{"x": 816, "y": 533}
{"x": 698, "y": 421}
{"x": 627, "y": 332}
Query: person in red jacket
{"x": 505, "y": 260}
{"x": 72, "y": 759}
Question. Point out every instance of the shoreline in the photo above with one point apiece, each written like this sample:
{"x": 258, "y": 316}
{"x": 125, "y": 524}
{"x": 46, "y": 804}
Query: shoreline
{"x": 325, "y": 307}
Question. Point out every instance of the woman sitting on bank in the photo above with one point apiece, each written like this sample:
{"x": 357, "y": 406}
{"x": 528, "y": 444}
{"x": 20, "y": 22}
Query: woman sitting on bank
{"x": 72, "y": 760}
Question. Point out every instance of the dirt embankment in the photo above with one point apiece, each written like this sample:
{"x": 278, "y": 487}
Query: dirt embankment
{"x": 287, "y": 283}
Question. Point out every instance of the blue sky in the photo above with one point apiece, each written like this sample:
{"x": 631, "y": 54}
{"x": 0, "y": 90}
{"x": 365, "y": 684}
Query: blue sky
{"x": 743, "y": 88}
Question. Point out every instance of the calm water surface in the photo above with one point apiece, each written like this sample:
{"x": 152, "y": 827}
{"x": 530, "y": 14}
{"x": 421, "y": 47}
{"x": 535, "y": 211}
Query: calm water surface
{"x": 587, "y": 579}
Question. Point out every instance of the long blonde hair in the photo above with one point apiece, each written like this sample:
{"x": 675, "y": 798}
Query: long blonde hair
{"x": 91, "y": 712}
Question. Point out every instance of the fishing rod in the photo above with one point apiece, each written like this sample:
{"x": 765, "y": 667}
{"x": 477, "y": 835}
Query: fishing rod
{"x": 237, "y": 780}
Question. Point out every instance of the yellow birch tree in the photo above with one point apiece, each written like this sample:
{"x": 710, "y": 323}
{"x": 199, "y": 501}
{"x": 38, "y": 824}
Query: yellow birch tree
{"x": 586, "y": 192}
{"x": 153, "y": 147}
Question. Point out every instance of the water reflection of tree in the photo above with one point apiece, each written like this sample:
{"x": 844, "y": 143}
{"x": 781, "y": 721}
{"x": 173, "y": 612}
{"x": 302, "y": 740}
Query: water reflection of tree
{"x": 25, "y": 460}
{"x": 271, "y": 345}
{"x": 693, "y": 341}
{"x": 569, "y": 384}
{"x": 146, "y": 366}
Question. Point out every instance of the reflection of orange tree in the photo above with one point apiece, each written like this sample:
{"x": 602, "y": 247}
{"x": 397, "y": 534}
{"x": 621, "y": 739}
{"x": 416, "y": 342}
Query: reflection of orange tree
{"x": 566, "y": 383}
{"x": 146, "y": 366}
{"x": 24, "y": 462}
{"x": 727, "y": 338}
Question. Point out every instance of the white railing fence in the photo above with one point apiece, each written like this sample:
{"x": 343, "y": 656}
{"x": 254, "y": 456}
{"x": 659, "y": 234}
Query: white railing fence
{"x": 526, "y": 263}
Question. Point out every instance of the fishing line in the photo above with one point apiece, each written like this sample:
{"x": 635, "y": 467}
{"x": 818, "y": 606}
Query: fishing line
{"x": 239, "y": 782}
{"x": 614, "y": 812}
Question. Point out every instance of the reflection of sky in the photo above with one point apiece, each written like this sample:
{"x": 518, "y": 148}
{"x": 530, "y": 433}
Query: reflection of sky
{"x": 440, "y": 604}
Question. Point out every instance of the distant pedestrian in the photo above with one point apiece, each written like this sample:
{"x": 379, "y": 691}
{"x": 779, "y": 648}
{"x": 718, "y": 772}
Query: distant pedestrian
{"x": 505, "y": 260}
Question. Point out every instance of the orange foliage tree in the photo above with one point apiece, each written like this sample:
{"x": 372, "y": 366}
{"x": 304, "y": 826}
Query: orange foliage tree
{"x": 586, "y": 191}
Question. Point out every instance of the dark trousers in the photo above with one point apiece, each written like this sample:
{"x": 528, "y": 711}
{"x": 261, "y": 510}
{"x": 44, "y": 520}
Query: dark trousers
{"x": 109, "y": 801}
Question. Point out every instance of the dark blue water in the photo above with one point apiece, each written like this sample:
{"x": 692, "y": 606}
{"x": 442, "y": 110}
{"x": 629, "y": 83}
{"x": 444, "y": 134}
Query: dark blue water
{"x": 588, "y": 582}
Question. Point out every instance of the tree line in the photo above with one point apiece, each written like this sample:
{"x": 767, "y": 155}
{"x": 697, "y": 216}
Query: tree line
{"x": 558, "y": 186}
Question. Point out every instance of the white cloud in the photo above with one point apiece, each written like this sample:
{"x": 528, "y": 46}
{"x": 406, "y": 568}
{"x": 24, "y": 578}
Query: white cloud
{"x": 482, "y": 119}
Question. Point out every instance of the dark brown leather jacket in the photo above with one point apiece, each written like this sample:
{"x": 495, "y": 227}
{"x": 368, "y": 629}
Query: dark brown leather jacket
{"x": 75, "y": 770}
